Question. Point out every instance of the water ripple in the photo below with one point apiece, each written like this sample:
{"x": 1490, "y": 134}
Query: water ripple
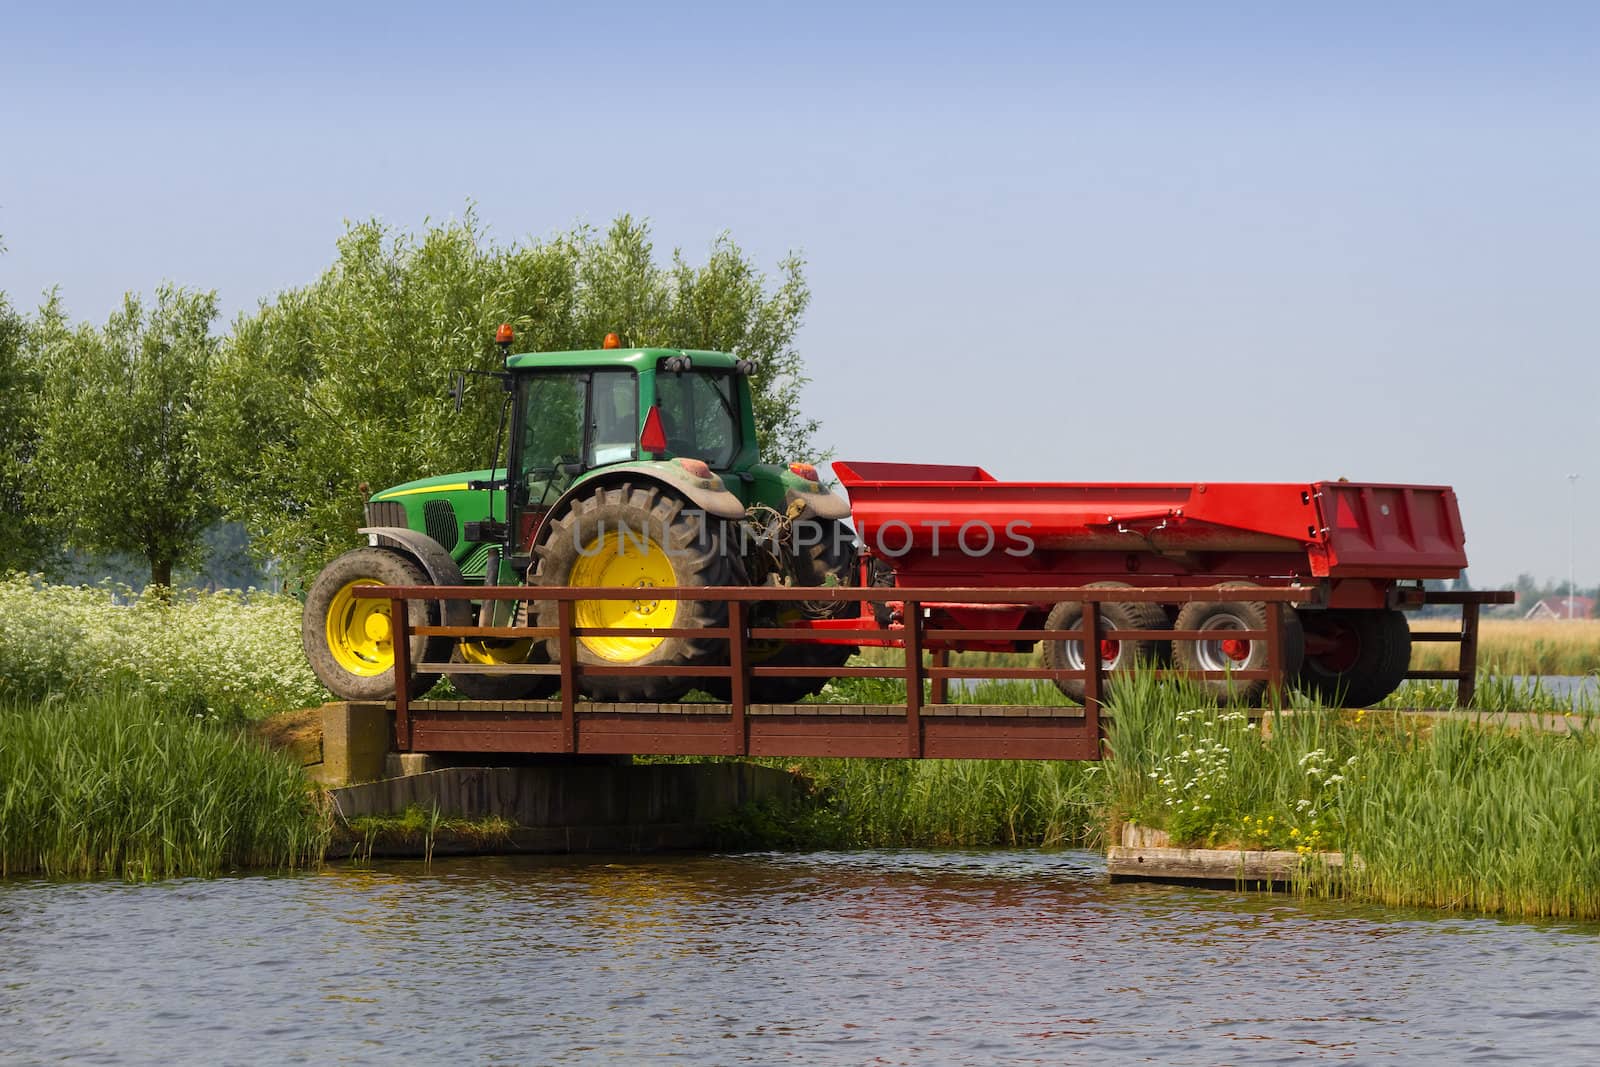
{"x": 866, "y": 957}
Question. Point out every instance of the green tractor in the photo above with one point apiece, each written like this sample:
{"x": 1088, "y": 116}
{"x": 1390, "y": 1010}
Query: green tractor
{"x": 625, "y": 467}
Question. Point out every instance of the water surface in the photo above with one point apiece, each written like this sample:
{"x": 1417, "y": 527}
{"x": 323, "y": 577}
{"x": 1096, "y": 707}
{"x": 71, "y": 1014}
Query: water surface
{"x": 878, "y": 957}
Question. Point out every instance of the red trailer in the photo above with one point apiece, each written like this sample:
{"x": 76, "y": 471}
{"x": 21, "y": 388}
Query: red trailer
{"x": 1363, "y": 548}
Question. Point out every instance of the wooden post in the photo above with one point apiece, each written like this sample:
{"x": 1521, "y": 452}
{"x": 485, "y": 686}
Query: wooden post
{"x": 1093, "y": 679}
{"x": 567, "y": 646}
{"x": 400, "y": 642}
{"x": 940, "y": 686}
{"x": 1467, "y": 664}
{"x": 738, "y": 683}
{"x": 913, "y": 642}
{"x": 1275, "y": 652}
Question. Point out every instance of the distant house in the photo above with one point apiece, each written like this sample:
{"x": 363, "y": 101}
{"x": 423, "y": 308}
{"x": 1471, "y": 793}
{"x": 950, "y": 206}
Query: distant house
{"x": 1555, "y": 607}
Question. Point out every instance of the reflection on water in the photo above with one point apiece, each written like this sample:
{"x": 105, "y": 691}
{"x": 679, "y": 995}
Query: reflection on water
{"x": 885, "y": 957}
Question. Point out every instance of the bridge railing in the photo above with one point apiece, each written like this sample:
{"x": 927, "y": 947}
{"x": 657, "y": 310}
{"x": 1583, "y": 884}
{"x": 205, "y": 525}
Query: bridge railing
{"x": 913, "y": 634}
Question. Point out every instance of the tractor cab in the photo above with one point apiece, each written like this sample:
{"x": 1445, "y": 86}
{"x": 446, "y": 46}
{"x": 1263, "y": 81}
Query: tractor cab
{"x": 687, "y": 415}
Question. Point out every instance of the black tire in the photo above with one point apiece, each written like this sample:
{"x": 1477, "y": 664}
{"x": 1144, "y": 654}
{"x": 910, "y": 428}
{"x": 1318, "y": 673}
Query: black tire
{"x": 1360, "y": 656}
{"x": 829, "y": 562}
{"x": 1068, "y": 655}
{"x": 374, "y": 680}
{"x": 694, "y": 544}
{"x": 1210, "y": 655}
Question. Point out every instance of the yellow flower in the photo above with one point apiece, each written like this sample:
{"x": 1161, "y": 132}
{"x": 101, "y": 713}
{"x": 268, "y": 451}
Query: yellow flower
{"x": 1295, "y": 832}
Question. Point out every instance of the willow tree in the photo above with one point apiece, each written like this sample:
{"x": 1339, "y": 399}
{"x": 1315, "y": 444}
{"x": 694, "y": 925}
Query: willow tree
{"x": 118, "y": 450}
{"x": 343, "y": 383}
{"x": 24, "y": 536}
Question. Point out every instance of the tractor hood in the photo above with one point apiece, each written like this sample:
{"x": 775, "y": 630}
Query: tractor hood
{"x": 443, "y": 483}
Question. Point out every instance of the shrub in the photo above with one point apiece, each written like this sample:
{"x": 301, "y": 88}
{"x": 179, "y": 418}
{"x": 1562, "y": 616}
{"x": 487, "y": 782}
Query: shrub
{"x": 228, "y": 654}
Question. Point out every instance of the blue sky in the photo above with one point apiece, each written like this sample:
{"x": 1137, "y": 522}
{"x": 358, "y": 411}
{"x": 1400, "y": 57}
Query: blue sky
{"x": 1140, "y": 241}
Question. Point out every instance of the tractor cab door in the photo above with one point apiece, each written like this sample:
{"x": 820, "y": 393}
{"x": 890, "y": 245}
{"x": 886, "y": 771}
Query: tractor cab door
{"x": 566, "y": 422}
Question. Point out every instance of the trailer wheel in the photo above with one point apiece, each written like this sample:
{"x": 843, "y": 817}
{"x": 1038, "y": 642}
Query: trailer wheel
{"x": 347, "y": 641}
{"x": 1115, "y": 655}
{"x": 1355, "y": 658}
{"x": 1221, "y": 652}
{"x": 642, "y": 537}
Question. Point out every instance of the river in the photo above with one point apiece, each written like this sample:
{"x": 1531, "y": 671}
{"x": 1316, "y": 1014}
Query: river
{"x": 865, "y": 957}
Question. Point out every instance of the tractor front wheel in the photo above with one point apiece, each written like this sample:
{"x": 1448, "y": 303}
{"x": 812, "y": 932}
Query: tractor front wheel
{"x": 349, "y": 641}
{"x": 497, "y": 652}
{"x": 641, "y": 538}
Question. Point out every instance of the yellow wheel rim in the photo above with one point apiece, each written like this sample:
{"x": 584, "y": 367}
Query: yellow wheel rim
{"x": 492, "y": 651}
{"x": 618, "y": 558}
{"x": 359, "y": 631}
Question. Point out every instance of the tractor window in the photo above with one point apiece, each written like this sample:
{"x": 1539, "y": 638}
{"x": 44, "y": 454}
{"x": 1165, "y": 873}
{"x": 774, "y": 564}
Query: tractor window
{"x": 613, "y": 417}
{"x": 552, "y": 423}
{"x": 553, "y": 426}
{"x": 700, "y": 414}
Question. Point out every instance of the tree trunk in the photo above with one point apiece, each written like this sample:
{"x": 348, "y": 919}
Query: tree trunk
{"x": 161, "y": 574}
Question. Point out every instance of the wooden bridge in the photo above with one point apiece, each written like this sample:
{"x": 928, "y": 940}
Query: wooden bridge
{"x": 928, "y": 724}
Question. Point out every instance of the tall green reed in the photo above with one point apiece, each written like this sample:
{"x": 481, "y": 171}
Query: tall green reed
{"x": 115, "y": 783}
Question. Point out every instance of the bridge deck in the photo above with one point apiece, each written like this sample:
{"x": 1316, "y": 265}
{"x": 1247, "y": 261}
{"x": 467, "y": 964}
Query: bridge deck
{"x": 954, "y": 731}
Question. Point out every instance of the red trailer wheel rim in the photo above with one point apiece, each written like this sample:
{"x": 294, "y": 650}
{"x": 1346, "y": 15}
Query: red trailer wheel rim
{"x": 1109, "y": 651}
{"x": 1334, "y": 645}
{"x": 1235, "y": 649}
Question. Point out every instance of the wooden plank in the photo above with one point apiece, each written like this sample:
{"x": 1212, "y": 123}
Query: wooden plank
{"x": 1222, "y": 866}
{"x": 677, "y": 735}
{"x": 485, "y": 732}
{"x": 914, "y": 676}
{"x": 400, "y": 674}
{"x": 1009, "y": 739}
{"x": 566, "y": 650}
{"x": 1468, "y": 661}
{"x": 738, "y": 678}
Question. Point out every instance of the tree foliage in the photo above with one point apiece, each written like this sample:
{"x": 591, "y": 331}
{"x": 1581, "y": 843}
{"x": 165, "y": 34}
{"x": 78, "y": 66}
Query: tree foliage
{"x": 119, "y": 454}
{"x": 24, "y": 536}
{"x": 343, "y": 382}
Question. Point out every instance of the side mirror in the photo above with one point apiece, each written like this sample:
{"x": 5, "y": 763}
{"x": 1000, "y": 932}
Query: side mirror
{"x": 744, "y": 368}
{"x": 458, "y": 389}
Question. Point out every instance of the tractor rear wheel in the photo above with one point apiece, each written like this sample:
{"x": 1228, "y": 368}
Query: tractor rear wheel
{"x": 1355, "y": 658}
{"x": 1115, "y": 656}
{"x": 640, "y": 537}
{"x": 348, "y": 640}
{"x": 1224, "y": 653}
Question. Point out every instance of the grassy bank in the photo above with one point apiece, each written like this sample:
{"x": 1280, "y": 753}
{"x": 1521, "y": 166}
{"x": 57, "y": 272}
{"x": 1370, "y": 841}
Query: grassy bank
{"x": 118, "y": 783}
{"x": 1451, "y": 814}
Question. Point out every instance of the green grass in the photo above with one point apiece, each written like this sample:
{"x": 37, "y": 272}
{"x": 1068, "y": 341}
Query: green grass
{"x": 119, "y": 784}
{"x": 1482, "y": 819}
